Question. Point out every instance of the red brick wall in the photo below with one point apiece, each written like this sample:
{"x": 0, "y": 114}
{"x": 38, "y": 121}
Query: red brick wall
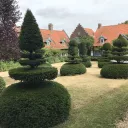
{"x": 79, "y": 29}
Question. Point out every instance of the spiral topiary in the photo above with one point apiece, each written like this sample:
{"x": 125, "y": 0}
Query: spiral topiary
{"x": 118, "y": 69}
{"x": 34, "y": 102}
{"x": 2, "y": 84}
{"x": 73, "y": 67}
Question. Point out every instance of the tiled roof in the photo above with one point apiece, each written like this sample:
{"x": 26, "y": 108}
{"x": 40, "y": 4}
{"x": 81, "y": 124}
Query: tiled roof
{"x": 89, "y": 31}
{"x": 110, "y": 33}
{"x": 55, "y": 36}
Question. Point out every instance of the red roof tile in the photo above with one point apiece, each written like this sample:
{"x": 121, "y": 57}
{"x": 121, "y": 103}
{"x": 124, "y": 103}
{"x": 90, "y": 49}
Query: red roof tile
{"x": 56, "y": 37}
{"x": 110, "y": 33}
{"x": 89, "y": 31}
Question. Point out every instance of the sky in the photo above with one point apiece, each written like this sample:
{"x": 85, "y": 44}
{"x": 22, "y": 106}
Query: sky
{"x": 67, "y": 14}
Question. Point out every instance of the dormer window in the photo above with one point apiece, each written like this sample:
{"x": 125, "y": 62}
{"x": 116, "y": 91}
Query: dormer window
{"x": 102, "y": 39}
{"x": 48, "y": 41}
{"x": 78, "y": 33}
{"x": 63, "y": 41}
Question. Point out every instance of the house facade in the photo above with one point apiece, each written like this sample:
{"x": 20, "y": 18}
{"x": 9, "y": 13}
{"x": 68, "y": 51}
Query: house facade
{"x": 53, "y": 39}
{"x": 103, "y": 34}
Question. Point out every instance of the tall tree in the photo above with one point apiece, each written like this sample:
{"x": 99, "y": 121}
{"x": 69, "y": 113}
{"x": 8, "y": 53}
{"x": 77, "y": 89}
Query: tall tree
{"x": 9, "y": 16}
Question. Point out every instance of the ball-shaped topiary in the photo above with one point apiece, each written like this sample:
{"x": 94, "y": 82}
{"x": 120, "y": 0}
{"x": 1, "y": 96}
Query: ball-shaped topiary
{"x": 87, "y": 64}
{"x": 2, "y": 84}
{"x": 101, "y": 64}
{"x": 107, "y": 47}
{"x": 115, "y": 71}
{"x": 69, "y": 69}
{"x": 22, "y": 106}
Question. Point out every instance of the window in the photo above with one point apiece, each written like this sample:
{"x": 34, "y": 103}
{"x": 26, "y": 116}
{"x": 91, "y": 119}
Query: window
{"x": 78, "y": 33}
{"x": 102, "y": 40}
{"x": 48, "y": 41}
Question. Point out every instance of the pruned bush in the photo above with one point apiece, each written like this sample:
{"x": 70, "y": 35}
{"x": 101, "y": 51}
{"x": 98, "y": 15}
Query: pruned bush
{"x": 35, "y": 75}
{"x": 115, "y": 71}
{"x": 42, "y": 107}
{"x": 94, "y": 58}
{"x": 69, "y": 69}
{"x": 101, "y": 64}
{"x": 87, "y": 64}
{"x": 2, "y": 84}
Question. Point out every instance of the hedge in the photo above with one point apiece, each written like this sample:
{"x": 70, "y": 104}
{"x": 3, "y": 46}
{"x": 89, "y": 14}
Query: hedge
{"x": 69, "y": 69}
{"x": 87, "y": 64}
{"x": 115, "y": 71}
{"x": 42, "y": 107}
{"x": 2, "y": 84}
{"x": 101, "y": 64}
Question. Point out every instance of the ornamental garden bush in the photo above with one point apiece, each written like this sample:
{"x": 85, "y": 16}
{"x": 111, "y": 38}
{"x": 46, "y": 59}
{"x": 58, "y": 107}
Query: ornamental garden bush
{"x": 86, "y": 60}
{"x": 74, "y": 65}
{"x": 2, "y": 84}
{"x": 106, "y": 52}
{"x": 119, "y": 67}
{"x": 35, "y": 102}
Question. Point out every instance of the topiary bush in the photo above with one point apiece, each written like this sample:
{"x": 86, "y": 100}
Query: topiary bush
{"x": 69, "y": 69}
{"x": 73, "y": 67}
{"x": 2, "y": 84}
{"x": 101, "y": 64}
{"x": 115, "y": 71}
{"x": 42, "y": 107}
{"x": 87, "y": 64}
{"x": 35, "y": 102}
{"x": 118, "y": 69}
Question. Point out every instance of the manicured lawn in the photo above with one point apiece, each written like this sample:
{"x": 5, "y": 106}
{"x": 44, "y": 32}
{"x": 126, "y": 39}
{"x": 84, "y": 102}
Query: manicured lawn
{"x": 96, "y": 102}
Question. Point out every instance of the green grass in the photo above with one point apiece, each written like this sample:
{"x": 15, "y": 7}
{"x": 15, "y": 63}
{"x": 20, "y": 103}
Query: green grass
{"x": 102, "y": 112}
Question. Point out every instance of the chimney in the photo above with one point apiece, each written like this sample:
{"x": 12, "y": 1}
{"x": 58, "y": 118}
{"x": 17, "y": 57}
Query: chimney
{"x": 50, "y": 26}
{"x": 99, "y": 25}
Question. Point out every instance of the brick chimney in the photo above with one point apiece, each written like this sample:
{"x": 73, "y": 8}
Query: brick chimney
{"x": 99, "y": 25}
{"x": 50, "y": 26}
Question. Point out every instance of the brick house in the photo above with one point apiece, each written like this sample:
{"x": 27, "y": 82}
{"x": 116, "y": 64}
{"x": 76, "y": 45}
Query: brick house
{"x": 53, "y": 39}
{"x": 102, "y": 35}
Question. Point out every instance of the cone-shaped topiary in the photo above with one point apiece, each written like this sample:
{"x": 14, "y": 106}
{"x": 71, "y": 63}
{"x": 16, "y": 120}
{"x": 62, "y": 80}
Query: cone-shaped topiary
{"x": 73, "y": 66}
{"x": 35, "y": 102}
{"x": 119, "y": 69}
{"x": 106, "y": 53}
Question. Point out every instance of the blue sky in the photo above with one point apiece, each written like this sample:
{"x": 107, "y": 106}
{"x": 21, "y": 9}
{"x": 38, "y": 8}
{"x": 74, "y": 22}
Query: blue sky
{"x": 67, "y": 14}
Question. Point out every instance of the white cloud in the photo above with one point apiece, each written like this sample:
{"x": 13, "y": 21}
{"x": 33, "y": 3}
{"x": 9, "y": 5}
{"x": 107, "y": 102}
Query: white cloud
{"x": 68, "y": 13}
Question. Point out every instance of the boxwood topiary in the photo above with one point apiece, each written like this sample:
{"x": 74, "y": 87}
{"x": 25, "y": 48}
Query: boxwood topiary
{"x": 87, "y": 64}
{"x": 69, "y": 69}
{"x": 22, "y": 106}
{"x": 101, "y": 64}
{"x": 115, "y": 71}
{"x": 2, "y": 84}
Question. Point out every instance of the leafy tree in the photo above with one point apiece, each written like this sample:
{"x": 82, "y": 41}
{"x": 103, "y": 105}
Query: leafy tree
{"x": 31, "y": 42}
{"x": 9, "y": 16}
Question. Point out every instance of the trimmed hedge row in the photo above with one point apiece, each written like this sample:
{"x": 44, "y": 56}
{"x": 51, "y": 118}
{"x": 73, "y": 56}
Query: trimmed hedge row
{"x": 42, "y": 107}
{"x": 2, "y": 84}
{"x": 37, "y": 74}
{"x": 115, "y": 71}
{"x": 69, "y": 69}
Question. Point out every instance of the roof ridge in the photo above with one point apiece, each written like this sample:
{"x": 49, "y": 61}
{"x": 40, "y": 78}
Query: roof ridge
{"x": 51, "y": 30}
{"x": 113, "y": 25}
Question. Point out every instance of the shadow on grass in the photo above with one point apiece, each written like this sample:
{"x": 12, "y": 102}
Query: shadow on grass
{"x": 102, "y": 112}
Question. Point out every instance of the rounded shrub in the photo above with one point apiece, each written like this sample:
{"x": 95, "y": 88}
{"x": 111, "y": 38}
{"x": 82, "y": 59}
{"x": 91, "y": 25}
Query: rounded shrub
{"x": 87, "y": 64}
{"x": 37, "y": 74}
{"x": 22, "y": 106}
{"x": 115, "y": 71}
{"x": 2, "y": 84}
{"x": 107, "y": 47}
{"x": 101, "y": 64}
{"x": 69, "y": 69}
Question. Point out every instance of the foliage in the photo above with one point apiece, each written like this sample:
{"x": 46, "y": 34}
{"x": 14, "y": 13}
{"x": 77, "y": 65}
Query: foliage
{"x": 94, "y": 58}
{"x": 120, "y": 48}
{"x": 88, "y": 42}
{"x": 87, "y": 64}
{"x": 9, "y": 16}
{"x": 7, "y": 65}
{"x": 35, "y": 75}
{"x": 73, "y": 57}
{"x": 31, "y": 41}
{"x": 102, "y": 63}
{"x": 2, "y": 84}
{"x": 107, "y": 47}
{"x": 115, "y": 71}
{"x": 27, "y": 107}
{"x": 69, "y": 69}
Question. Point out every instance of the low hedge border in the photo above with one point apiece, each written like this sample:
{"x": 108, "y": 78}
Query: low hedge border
{"x": 115, "y": 71}
{"x": 2, "y": 84}
{"x": 101, "y": 64}
{"x": 69, "y": 69}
